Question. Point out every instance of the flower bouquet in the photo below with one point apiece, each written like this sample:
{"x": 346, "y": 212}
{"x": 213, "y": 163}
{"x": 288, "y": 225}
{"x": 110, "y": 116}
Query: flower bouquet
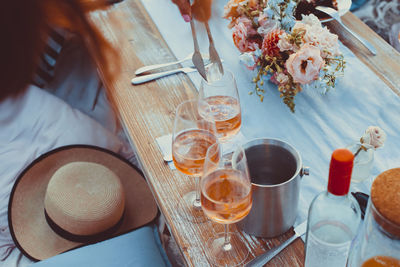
{"x": 291, "y": 54}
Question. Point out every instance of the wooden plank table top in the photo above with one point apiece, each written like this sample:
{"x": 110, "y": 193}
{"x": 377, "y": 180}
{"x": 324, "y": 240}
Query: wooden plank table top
{"x": 147, "y": 112}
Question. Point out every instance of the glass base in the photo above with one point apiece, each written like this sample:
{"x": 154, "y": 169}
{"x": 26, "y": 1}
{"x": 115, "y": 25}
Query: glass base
{"x": 191, "y": 211}
{"x": 227, "y": 255}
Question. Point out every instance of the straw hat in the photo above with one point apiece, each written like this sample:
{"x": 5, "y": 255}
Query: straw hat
{"x": 74, "y": 196}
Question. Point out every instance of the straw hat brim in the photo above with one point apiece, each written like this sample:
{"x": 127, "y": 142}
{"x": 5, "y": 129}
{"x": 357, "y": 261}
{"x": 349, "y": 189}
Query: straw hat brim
{"x": 28, "y": 226}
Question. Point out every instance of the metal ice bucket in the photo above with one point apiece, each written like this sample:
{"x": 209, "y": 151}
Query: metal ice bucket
{"x": 275, "y": 171}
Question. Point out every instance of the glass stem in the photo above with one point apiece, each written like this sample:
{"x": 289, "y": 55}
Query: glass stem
{"x": 197, "y": 203}
{"x": 227, "y": 238}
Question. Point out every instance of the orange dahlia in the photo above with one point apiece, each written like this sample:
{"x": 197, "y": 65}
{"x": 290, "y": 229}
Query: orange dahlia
{"x": 270, "y": 43}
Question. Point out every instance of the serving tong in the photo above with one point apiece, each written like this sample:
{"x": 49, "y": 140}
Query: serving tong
{"x": 197, "y": 59}
{"x": 214, "y": 57}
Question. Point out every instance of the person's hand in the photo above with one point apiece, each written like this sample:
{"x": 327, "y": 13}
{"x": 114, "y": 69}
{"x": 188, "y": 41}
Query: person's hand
{"x": 184, "y": 8}
{"x": 201, "y": 10}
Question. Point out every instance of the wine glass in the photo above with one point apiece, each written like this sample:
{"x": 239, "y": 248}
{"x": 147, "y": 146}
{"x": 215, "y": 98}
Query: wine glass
{"x": 192, "y": 135}
{"x": 226, "y": 198}
{"x": 223, "y": 98}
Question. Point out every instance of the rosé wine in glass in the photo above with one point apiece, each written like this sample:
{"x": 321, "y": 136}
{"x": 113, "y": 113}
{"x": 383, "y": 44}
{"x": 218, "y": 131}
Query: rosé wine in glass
{"x": 225, "y": 198}
{"x": 226, "y": 113}
{"x": 223, "y": 101}
{"x": 189, "y": 150}
{"x": 191, "y": 137}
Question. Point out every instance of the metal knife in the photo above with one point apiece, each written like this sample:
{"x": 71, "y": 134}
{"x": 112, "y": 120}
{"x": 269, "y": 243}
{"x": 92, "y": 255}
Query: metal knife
{"x": 150, "y": 77}
{"x": 259, "y": 261}
{"x": 157, "y": 75}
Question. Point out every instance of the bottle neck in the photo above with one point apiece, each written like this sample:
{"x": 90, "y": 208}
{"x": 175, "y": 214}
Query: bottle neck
{"x": 338, "y": 186}
{"x": 336, "y": 197}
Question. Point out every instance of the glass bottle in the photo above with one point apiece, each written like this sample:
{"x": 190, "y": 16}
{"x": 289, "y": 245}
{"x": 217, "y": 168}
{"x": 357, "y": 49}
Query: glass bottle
{"x": 333, "y": 217}
{"x": 378, "y": 243}
{"x": 363, "y": 159}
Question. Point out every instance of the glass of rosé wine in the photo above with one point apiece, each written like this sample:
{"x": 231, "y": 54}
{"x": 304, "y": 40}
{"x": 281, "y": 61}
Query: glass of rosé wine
{"x": 192, "y": 136}
{"x": 226, "y": 198}
{"x": 223, "y": 99}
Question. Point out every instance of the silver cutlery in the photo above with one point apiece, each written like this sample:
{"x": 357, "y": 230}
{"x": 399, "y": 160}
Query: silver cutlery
{"x": 335, "y": 15}
{"x": 214, "y": 57}
{"x": 196, "y": 58}
{"x": 150, "y": 77}
{"x": 259, "y": 261}
{"x": 157, "y": 66}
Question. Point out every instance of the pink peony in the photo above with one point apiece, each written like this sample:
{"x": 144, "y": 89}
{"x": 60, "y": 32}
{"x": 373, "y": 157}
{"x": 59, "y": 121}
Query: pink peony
{"x": 316, "y": 35}
{"x": 248, "y": 24}
{"x": 305, "y": 64}
{"x": 240, "y": 39}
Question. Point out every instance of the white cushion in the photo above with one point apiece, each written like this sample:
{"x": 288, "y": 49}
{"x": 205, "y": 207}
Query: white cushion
{"x": 33, "y": 124}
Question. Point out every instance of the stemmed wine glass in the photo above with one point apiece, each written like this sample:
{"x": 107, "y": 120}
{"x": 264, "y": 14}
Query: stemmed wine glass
{"x": 192, "y": 136}
{"x": 223, "y": 98}
{"x": 226, "y": 198}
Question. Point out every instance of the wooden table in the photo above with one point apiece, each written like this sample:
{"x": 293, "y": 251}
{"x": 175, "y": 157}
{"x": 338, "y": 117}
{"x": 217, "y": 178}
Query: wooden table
{"x": 147, "y": 112}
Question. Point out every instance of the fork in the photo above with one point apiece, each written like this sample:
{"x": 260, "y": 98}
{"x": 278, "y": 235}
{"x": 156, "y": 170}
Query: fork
{"x": 157, "y": 66}
{"x": 214, "y": 57}
{"x": 335, "y": 15}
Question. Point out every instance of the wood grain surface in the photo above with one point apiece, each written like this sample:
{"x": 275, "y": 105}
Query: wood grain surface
{"x": 147, "y": 112}
{"x": 386, "y": 64}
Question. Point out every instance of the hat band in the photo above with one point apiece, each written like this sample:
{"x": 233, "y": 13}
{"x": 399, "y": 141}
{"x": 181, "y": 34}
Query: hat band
{"x": 82, "y": 238}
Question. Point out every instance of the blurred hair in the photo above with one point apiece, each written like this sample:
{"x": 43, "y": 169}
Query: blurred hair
{"x": 24, "y": 28}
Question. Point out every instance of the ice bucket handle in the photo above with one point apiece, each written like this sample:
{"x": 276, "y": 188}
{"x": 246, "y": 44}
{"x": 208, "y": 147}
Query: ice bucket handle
{"x": 304, "y": 171}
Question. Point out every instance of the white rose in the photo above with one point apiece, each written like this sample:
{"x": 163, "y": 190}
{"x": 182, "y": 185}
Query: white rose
{"x": 329, "y": 42}
{"x": 311, "y": 20}
{"x": 284, "y": 44}
{"x": 248, "y": 59}
{"x": 282, "y": 78}
{"x": 374, "y": 136}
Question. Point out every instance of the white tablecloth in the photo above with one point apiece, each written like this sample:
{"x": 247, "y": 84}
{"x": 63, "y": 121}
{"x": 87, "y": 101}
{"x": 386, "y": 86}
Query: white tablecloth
{"x": 320, "y": 124}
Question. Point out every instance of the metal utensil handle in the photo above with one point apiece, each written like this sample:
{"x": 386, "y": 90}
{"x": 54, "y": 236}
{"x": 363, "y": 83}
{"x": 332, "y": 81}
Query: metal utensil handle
{"x": 259, "y": 261}
{"x": 369, "y": 46}
{"x": 150, "y": 77}
{"x": 213, "y": 52}
{"x": 157, "y": 66}
{"x": 210, "y": 38}
{"x": 195, "y": 42}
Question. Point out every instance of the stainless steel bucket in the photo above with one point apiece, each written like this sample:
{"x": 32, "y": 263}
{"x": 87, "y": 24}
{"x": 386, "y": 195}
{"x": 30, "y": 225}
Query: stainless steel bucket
{"x": 275, "y": 170}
